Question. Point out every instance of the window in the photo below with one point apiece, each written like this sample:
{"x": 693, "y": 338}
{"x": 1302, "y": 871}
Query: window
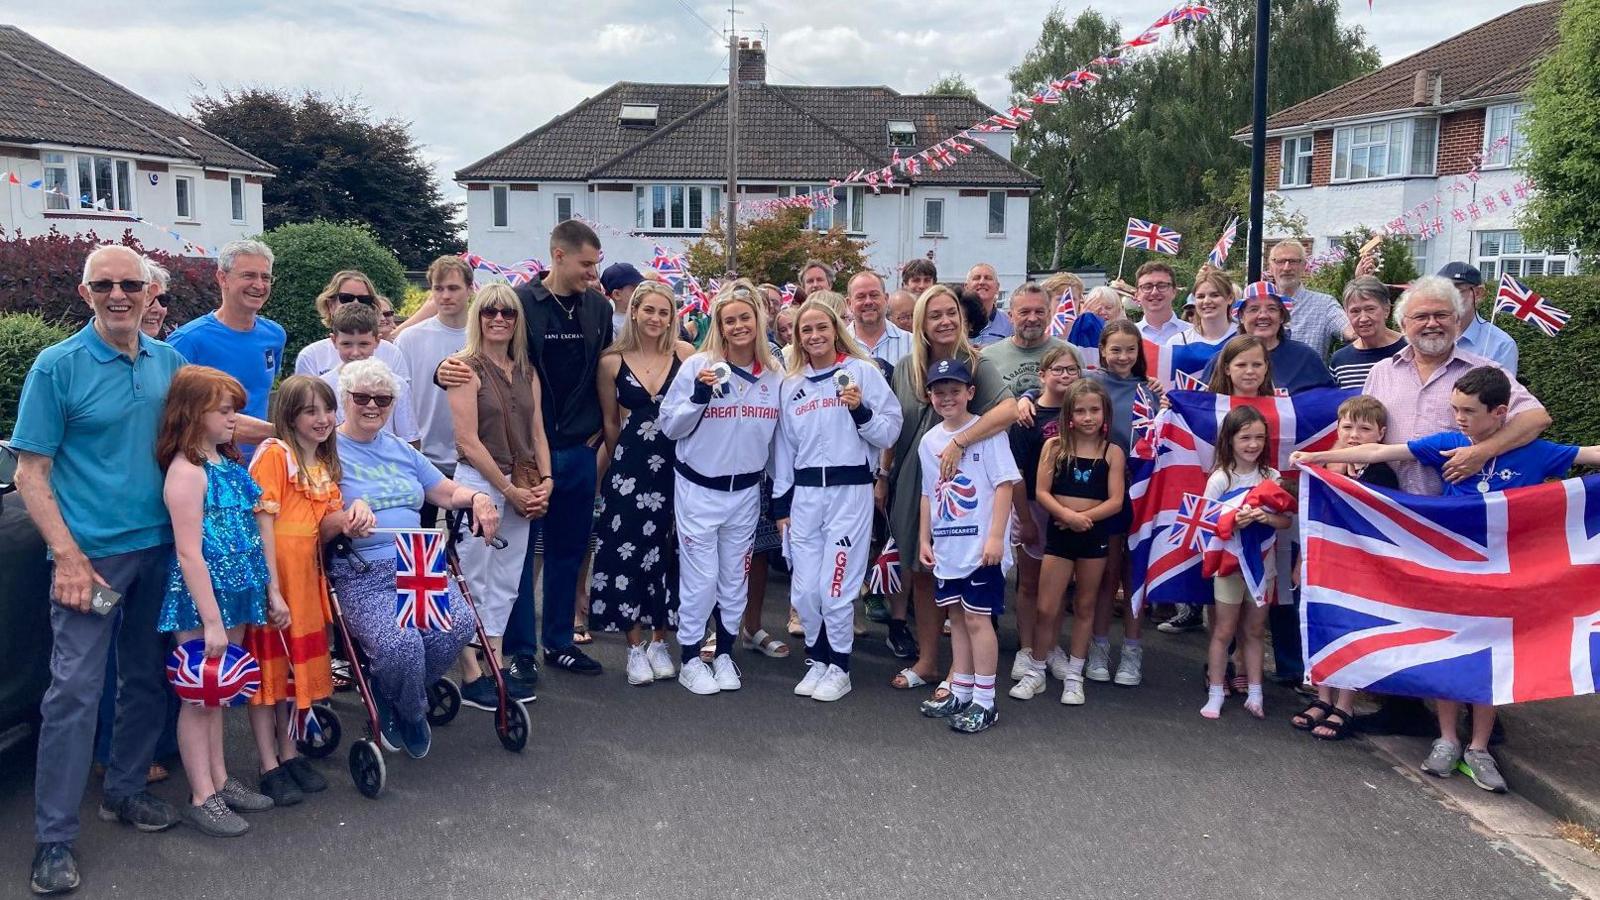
{"x": 236, "y": 197}
{"x": 1296, "y": 168}
{"x": 563, "y": 207}
{"x": 638, "y": 115}
{"x": 902, "y": 134}
{"x": 101, "y": 183}
{"x": 500, "y": 202}
{"x": 1419, "y": 247}
{"x": 1502, "y": 122}
{"x": 57, "y": 181}
{"x": 183, "y": 186}
{"x": 675, "y": 207}
{"x": 997, "y": 212}
{"x": 849, "y": 209}
{"x": 1385, "y": 150}
{"x": 933, "y": 215}
{"x": 1504, "y": 252}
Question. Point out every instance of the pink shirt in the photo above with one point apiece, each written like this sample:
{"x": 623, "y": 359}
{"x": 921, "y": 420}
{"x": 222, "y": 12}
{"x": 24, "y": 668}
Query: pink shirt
{"x": 1418, "y": 409}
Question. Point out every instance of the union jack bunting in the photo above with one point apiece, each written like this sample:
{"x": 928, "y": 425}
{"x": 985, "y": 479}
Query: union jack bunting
{"x": 1150, "y": 236}
{"x": 1218, "y": 256}
{"x": 1515, "y": 298}
{"x": 421, "y": 587}
{"x": 1481, "y": 598}
{"x": 1194, "y": 12}
{"x": 1066, "y": 313}
{"x": 885, "y": 577}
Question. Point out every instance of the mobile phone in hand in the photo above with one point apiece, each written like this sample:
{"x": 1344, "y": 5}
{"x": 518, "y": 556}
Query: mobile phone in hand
{"x": 104, "y": 600}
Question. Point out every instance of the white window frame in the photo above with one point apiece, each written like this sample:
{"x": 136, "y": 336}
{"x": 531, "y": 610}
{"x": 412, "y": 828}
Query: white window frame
{"x": 499, "y": 207}
{"x": 1501, "y": 250}
{"x": 178, "y": 183}
{"x": 1511, "y": 117}
{"x": 1295, "y": 160}
{"x": 849, "y": 204}
{"x": 1352, "y": 142}
{"x": 572, "y": 206}
{"x": 677, "y": 203}
{"x": 902, "y": 134}
{"x": 238, "y": 207}
{"x": 989, "y": 213}
{"x": 62, "y": 163}
{"x": 124, "y": 176}
{"x": 928, "y": 205}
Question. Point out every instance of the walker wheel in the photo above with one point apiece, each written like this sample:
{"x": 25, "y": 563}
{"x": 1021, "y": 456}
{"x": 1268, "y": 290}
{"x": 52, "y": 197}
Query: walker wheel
{"x": 515, "y": 735}
{"x": 444, "y": 701}
{"x": 366, "y": 768}
{"x": 332, "y": 731}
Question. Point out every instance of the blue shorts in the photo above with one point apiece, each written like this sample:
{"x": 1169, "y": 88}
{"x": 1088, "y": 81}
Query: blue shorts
{"x": 984, "y": 591}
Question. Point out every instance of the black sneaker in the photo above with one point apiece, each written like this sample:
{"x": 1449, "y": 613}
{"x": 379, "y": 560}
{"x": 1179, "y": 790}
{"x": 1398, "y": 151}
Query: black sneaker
{"x": 573, "y": 660}
{"x": 1188, "y": 618}
{"x": 524, "y": 668}
{"x": 279, "y": 784}
{"x": 902, "y": 643}
{"x": 55, "y": 870}
{"x": 517, "y": 689}
{"x": 481, "y": 693}
{"x": 306, "y": 775}
{"x": 144, "y": 811}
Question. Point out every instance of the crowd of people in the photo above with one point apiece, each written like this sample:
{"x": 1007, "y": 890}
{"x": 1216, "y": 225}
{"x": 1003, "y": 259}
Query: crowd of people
{"x": 644, "y": 466}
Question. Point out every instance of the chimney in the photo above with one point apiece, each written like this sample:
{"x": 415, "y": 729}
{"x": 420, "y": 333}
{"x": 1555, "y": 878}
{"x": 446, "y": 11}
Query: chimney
{"x": 1427, "y": 87}
{"x": 752, "y": 62}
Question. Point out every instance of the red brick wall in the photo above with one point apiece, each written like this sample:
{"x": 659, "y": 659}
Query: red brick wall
{"x": 1460, "y": 136}
{"x": 1274, "y": 162}
{"x": 1322, "y": 158}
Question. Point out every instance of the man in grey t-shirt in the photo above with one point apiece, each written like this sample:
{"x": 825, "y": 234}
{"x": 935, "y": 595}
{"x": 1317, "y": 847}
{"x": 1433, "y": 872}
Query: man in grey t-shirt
{"x": 1018, "y": 356}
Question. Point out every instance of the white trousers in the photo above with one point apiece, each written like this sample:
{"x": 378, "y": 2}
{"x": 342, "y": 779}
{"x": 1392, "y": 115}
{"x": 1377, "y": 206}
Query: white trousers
{"x": 493, "y": 575}
{"x": 716, "y": 530}
{"x": 830, "y": 538}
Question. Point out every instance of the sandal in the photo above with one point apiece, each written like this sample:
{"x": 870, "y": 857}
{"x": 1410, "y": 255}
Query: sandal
{"x": 1239, "y": 684}
{"x": 581, "y": 635}
{"x": 1305, "y": 721}
{"x": 156, "y": 774}
{"x": 907, "y": 679}
{"x": 1337, "y": 723}
{"x": 795, "y": 628}
{"x": 342, "y": 680}
{"x": 708, "y": 650}
{"x": 764, "y": 643}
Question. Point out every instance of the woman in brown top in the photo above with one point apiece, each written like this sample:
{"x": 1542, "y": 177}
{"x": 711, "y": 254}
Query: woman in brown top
{"x": 501, "y": 448}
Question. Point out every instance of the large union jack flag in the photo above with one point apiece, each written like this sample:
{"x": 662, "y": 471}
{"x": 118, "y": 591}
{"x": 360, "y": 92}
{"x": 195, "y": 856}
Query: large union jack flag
{"x": 1517, "y": 299}
{"x": 1483, "y": 599}
{"x": 1185, "y": 434}
{"x": 421, "y": 586}
{"x": 1247, "y": 551}
{"x": 1150, "y": 236}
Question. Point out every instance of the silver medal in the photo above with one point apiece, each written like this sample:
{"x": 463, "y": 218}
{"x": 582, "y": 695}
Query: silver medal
{"x": 843, "y": 380}
{"x": 1483, "y": 487}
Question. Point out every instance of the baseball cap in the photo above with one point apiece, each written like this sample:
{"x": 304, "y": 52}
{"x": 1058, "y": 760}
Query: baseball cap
{"x": 1461, "y": 273}
{"x": 618, "y": 276}
{"x": 948, "y": 370}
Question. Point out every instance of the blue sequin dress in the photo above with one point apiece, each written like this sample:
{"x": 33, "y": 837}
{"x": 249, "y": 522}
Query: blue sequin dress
{"x": 231, "y": 545}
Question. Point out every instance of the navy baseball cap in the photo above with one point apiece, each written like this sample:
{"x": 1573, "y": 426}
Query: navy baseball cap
{"x": 618, "y": 276}
{"x": 1461, "y": 273}
{"x": 948, "y": 370}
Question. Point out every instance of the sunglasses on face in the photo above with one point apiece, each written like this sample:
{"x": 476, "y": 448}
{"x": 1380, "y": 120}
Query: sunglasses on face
{"x": 381, "y": 401}
{"x": 510, "y": 315}
{"x": 159, "y": 299}
{"x": 128, "y": 285}
{"x": 344, "y": 298}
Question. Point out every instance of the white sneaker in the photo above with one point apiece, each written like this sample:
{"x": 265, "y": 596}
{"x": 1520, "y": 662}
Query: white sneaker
{"x": 1019, "y": 664}
{"x": 727, "y": 674}
{"x": 639, "y": 666}
{"x": 1056, "y": 662}
{"x": 835, "y": 684}
{"x": 660, "y": 660}
{"x": 814, "y": 673}
{"x": 1130, "y": 667}
{"x": 697, "y": 677}
{"x": 1072, "y": 690}
{"x": 1098, "y": 668}
{"x": 1031, "y": 685}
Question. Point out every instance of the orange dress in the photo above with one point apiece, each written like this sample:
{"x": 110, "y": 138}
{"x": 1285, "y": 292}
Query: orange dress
{"x": 295, "y": 662}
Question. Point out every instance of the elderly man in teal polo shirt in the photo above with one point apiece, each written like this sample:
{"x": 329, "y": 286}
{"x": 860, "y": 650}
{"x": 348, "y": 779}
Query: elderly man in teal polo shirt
{"x": 86, "y": 433}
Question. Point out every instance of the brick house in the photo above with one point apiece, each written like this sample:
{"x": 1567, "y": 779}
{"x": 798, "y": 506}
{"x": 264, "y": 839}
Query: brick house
{"x": 651, "y": 159}
{"x": 1373, "y": 149}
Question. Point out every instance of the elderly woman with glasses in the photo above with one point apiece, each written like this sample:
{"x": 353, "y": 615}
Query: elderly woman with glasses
{"x": 394, "y": 478}
{"x": 348, "y": 286}
{"x": 1264, "y": 315}
{"x": 155, "y": 313}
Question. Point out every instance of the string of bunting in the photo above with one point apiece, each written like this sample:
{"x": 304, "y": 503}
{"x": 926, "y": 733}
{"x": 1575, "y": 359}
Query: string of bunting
{"x": 100, "y": 205}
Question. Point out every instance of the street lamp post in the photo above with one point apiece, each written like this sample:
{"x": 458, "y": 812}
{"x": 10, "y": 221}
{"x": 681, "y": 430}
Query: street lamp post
{"x": 1258, "y": 143}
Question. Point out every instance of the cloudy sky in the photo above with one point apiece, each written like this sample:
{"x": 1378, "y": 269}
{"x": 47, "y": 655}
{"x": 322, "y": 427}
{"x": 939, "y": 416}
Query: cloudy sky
{"x": 472, "y": 82}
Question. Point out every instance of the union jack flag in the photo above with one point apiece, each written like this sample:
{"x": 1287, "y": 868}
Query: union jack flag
{"x": 885, "y": 577}
{"x": 1150, "y": 236}
{"x": 1196, "y": 522}
{"x": 1144, "y": 40}
{"x": 1143, "y": 425}
{"x": 1219, "y": 254}
{"x": 1186, "y": 381}
{"x": 1515, "y": 298}
{"x": 421, "y": 586}
{"x": 1066, "y": 313}
{"x": 788, "y": 291}
{"x": 1194, "y": 12}
{"x": 304, "y": 727}
{"x": 1479, "y": 598}
{"x": 1247, "y": 551}
{"x": 1184, "y": 441}
{"x": 227, "y": 680}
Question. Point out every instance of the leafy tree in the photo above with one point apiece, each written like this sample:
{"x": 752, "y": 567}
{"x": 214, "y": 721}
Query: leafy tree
{"x": 1395, "y": 265}
{"x": 335, "y": 163}
{"x": 773, "y": 248}
{"x": 951, "y": 84}
{"x": 306, "y": 255}
{"x": 1563, "y": 138}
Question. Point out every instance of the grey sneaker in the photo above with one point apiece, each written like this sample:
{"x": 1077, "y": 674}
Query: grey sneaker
{"x": 1481, "y": 768}
{"x": 55, "y": 870}
{"x": 144, "y": 811}
{"x": 974, "y": 718}
{"x": 241, "y": 799}
{"x": 215, "y": 819}
{"x": 1098, "y": 667}
{"x": 1442, "y": 758}
{"x": 1130, "y": 666}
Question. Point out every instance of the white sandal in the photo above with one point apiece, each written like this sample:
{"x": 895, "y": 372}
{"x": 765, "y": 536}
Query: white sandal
{"x": 764, "y": 643}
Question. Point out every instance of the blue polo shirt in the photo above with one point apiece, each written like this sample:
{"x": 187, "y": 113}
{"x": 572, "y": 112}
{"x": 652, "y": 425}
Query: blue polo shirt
{"x": 253, "y": 357}
{"x": 95, "y": 413}
{"x": 1532, "y": 463}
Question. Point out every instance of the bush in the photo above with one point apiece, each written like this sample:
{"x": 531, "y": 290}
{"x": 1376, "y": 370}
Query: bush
{"x": 1395, "y": 265}
{"x": 41, "y": 274}
{"x": 410, "y": 303}
{"x": 1561, "y": 370}
{"x": 22, "y": 336}
{"x": 773, "y": 248}
{"x": 307, "y": 255}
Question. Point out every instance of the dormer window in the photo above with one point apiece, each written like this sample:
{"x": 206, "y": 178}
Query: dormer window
{"x": 637, "y": 115}
{"x": 902, "y": 134}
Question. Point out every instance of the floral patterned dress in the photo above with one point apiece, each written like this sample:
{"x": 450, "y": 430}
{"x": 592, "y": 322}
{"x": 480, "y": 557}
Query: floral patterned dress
{"x": 635, "y": 576}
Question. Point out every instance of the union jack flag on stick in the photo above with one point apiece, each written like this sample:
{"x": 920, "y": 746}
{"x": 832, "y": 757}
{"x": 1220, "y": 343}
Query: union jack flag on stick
{"x": 421, "y": 586}
{"x": 1144, "y": 235}
{"x": 1218, "y": 257}
{"x": 1515, "y": 298}
{"x": 1066, "y": 313}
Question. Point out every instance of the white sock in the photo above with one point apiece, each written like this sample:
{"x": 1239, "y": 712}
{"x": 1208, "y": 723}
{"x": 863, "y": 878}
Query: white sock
{"x": 961, "y": 686}
{"x": 1075, "y": 665}
{"x": 983, "y": 691}
{"x": 1035, "y": 665}
{"x": 1213, "y": 707}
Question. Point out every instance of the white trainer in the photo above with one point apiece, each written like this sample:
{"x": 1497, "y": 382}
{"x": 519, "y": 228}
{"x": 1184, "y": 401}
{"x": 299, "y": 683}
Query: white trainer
{"x": 1056, "y": 662}
{"x": 726, "y": 673}
{"x": 1072, "y": 690}
{"x": 1130, "y": 667}
{"x": 660, "y": 659}
{"x": 1031, "y": 685}
{"x": 814, "y": 673}
{"x": 1098, "y": 667}
{"x": 1019, "y": 663}
{"x": 697, "y": 677}
{"x": 639, "y": 666}
{"x": 835, "y": 684}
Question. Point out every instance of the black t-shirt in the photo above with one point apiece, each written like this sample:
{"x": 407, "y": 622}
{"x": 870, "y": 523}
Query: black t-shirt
{"x": 1027, "y": 442}
{"x": 563, "y": 351}
{"x": 1380, "y": 475}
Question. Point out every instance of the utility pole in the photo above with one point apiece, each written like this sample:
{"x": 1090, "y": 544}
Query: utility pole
{"x": 731, "y": 224}
{"x": 1258, "y": 145}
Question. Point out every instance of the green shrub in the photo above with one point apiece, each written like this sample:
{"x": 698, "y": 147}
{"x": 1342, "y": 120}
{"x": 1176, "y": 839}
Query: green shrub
{"x": 1562, "y": 371}
{"x": 306, "y": 256}
{"x": 22, "y": 336}
{"x": 412, "y": 301}
{"x": 1395, "y": 265}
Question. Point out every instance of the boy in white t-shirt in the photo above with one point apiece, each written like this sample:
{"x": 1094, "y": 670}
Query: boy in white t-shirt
{"x": 355, "y": 337}
{"x": 436, "y": 331}
{"x": 966, "y": 541}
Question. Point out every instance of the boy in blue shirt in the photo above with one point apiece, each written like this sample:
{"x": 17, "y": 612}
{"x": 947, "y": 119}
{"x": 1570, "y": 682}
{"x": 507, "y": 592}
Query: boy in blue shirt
{"x": 1480, "y": 401}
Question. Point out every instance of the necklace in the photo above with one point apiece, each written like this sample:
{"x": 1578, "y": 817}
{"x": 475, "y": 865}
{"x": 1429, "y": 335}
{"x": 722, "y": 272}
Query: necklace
{"x": 645, "y": 374}
{"x": 1486, "y": 475}
{"x": 569, "y": 310}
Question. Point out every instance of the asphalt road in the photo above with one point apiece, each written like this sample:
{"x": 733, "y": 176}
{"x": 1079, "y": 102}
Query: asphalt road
{"x": 653, "y": 792}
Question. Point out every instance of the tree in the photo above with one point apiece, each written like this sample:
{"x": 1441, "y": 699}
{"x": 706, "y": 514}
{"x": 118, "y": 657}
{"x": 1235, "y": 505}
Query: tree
{"x": 773, "y": 248}
{"x": 951, "y": 84}
{"x": 336, "y": 164}
{"x": 1395, "y": 264}
{"x": 1563, "y": 138}
{"x": 306, "y": 255}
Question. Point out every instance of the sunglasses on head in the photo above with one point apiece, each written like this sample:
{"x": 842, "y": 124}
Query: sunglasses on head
{"x": 381, "y": 401}
{"x": 343, "y": 298}
{"x": 498, "y": 312}
{"x": 128, "y": 285}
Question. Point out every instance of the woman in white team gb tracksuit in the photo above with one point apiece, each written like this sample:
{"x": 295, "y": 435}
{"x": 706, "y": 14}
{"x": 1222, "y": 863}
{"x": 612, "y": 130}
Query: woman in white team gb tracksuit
{"x": 722, "y": 410}
{"x": 838, "y": 417}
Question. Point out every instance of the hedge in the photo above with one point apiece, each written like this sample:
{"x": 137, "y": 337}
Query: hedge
{"x": 1563, "y": 371}
{"x": 22, "y": 336}
{"x": 307, "y": 255}
{"x": 41, "y": 274}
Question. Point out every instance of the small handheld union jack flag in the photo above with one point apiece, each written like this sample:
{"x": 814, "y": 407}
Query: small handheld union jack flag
{"x": 1143, "y": 424}
{"x": 1196, "y": 522}
{"x": 1151, "y": 236}
{"x": 227, "y": 680}
{"x": 788, "y": 291}
{"x": 304, "y": 727}
{"x": 1066, "y": 313}
{"x": 885, "y": 578}
{"x": 1515, "y": 298}
{"x": 421, "y": 586}
{"x": 1218, "y": 256}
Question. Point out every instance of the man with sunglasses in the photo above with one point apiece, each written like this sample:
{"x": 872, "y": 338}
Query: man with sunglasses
{"x": 236, "y": 338}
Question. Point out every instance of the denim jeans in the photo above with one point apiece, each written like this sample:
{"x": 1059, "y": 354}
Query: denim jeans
{"x": 566, "y": 528}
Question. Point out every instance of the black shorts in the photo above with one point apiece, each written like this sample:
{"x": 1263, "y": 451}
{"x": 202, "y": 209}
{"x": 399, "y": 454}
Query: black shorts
{"x": 983, "y": 591}
{"x": 1068, "y": 544}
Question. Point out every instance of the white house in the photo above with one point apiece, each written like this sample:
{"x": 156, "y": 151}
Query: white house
{"x": 650, "y": 159}
{"x": 102, "y": 155}
{"x": 1434, "y": 139}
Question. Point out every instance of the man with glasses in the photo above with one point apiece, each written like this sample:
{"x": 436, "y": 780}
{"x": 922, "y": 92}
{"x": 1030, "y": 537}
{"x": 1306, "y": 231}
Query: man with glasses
{"x": 1318, "y": 320}
{"x": 983, "y": 282}
{"x": 881, "y": 338}
{"x": 86, "y": 429}
{"x": 1156, "y": 287}
{"x": 1477, "y": 334}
